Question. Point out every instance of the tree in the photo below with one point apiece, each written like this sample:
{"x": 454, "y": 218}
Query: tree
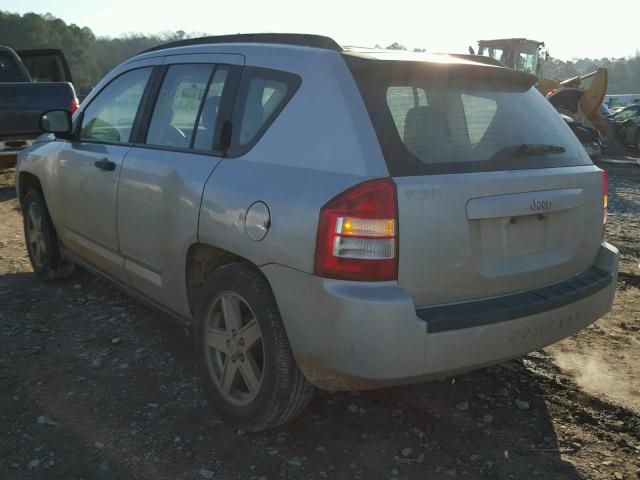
{"x": 396, "y": 46}
{"x": 91, "y": 57}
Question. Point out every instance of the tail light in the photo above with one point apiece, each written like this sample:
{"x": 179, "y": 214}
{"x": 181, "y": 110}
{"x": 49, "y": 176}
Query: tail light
{"x": 605, "y": 195}
{"x": 74, "y": 105}
{"x": 357, "y": 235}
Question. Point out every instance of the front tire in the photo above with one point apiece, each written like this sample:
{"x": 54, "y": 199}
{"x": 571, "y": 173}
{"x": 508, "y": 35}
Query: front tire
{"x": 243, "y": 354}
{"x": 41, "y": 239}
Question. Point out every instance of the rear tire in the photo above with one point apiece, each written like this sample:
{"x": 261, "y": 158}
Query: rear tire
{"x": 242, "y": 351}
{"x": 41, "y": 239}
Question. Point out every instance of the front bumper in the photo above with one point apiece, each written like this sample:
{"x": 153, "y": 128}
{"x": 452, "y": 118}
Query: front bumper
{"x": 357, "y": 335}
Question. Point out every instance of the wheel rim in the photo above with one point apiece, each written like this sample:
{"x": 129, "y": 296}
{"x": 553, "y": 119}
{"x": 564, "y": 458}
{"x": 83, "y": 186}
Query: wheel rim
{"x": 35, "y": 238}
{"x": 234, "y": 349}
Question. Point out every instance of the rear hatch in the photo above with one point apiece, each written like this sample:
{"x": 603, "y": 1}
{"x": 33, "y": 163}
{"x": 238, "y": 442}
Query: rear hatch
{"x": 495, "y": 193}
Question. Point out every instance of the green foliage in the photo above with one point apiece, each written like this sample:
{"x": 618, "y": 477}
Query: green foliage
{"x": 396, "y": 46}
{"x": 624, "y": 73}
{"x": 91, "y": 57}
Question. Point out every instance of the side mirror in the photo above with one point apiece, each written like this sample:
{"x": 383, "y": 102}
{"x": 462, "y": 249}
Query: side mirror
{"x": 471, "y": 50}
{"x": 57, "y": 122}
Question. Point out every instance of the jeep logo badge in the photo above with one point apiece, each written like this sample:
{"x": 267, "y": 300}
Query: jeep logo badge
{"x": 540, "y": 205}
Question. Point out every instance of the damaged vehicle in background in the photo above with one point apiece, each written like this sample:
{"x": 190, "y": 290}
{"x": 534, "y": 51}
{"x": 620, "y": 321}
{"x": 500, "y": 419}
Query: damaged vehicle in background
{"x": 625, "y": 123}
{"x": 321, "y": 216}
{"x": 629, "y": 132}
{"x": 567, "y": 102}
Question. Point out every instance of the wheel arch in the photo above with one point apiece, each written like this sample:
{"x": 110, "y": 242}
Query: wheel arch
{"x": 202, "y": 260}
{"x": 26, "y": 181}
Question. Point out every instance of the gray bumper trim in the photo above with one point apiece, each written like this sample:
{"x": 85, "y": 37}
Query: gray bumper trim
{"x": 443, "y": 318}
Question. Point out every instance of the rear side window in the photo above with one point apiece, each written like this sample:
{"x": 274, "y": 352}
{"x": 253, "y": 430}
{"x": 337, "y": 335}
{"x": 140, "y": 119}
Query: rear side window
{"x": 208, "y": 120}
{"x": 262, "y": 95}
{"x": 110, "y": 115}
{"x": 449, "y": 122}
{"x": 178, "y": 105}
{"x": 479, "y": 113}
{"x": 400, "y": 100}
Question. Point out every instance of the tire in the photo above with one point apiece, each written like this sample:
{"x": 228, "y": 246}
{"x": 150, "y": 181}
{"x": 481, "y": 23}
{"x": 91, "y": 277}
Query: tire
{"x": 265, "y": 387}
{"x": 41, "y": 239}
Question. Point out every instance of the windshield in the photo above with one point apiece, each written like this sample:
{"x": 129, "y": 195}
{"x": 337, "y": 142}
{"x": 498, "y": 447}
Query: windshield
{"x": 494, "y": 52}
{"x": 426, "y": 125}
{"x": 527, "y": 60}
{"x": 523, "y": 57}
{"x": 627, "y": 113}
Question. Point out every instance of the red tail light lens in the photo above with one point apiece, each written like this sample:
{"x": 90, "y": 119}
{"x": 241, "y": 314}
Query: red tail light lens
{"x": 605, "y": 194}
{"x": 74, "y": 105}
{"x": 357, "y": 235}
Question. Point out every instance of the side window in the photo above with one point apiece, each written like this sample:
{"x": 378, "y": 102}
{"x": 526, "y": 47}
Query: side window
{"x": 9, "y": 69}
{"x": 176, "y": 109}
{"x": 262, "y": 95}
{"x": 479, "y": 113}
{"x": 401, "y": 99}
{"x": 110, "y": 115}
{"x": 209, "y": 113}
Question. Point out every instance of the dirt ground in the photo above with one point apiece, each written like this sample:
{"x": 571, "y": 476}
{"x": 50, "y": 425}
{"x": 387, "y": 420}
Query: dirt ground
{"x": 96, "y": 386}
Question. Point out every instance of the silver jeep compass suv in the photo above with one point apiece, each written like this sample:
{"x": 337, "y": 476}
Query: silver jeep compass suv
{"x": 323, "y": 216}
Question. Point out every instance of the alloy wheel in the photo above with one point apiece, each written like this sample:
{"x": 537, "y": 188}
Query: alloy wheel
{"x": 35, "y": 234}
{"x": 234, "y": 348}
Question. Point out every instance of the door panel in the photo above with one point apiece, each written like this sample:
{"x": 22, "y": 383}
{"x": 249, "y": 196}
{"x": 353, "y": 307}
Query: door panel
{"x": 161, "y": 184}
{"x": 158, "y": 207}
{"x": 89, "y": 168}
{"x": 88, "y": 202}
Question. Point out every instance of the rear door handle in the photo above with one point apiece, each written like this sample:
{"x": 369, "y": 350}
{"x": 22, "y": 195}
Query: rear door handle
{"x": 105, "y": 164}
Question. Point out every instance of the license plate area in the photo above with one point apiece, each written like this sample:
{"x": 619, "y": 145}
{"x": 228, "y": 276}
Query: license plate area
{"x": 524, "y": 235}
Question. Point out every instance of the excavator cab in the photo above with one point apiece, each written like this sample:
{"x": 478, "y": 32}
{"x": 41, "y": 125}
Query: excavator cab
{"x": 517, "y": 53}
{"x": 582, "y": 104}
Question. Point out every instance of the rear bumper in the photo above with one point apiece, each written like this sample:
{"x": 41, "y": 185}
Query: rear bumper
{"x": 356, "y": 336}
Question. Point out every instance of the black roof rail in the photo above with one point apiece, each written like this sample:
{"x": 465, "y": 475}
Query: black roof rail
{"x": 299, "y": 39}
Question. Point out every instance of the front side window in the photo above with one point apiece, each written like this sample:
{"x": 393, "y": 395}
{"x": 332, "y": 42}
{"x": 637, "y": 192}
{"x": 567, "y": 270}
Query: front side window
{"x": 178, "y": 104}
{"x": 110, "y": 115}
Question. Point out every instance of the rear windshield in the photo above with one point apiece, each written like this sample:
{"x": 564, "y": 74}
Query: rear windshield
{"x": 9, "y": 69}
{"x": 45, "y": 67}
{"x": 450, "y": 123}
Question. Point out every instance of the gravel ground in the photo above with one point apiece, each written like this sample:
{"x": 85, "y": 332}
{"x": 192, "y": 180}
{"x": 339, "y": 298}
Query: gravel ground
{"x": 96, "y": 386}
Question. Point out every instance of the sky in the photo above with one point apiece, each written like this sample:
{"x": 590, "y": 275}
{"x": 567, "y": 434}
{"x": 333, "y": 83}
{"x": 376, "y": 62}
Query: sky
{"x": 569, "y": 29}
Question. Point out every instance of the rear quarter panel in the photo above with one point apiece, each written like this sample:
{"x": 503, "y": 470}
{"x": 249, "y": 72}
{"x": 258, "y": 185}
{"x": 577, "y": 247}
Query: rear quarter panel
{"x": 321, "y": 144}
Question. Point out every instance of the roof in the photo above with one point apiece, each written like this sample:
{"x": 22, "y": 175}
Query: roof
{"x": 296, "y": 39}
{"x": 498, "y": 41}
{"x": 405, "y": 55}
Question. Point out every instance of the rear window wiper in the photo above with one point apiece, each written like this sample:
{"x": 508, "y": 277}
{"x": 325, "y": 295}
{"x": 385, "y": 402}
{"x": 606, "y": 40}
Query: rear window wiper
{"x": 527, "y": 149}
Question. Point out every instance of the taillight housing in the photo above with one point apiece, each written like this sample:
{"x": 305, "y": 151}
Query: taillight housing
{"x": 74, "y": 104}
{"x": 605, "y": 195}
{"x": 357, "y": 235}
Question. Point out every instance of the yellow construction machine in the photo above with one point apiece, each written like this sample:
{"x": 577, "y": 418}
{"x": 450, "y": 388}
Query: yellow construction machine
{"x": 582, "y": 104}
